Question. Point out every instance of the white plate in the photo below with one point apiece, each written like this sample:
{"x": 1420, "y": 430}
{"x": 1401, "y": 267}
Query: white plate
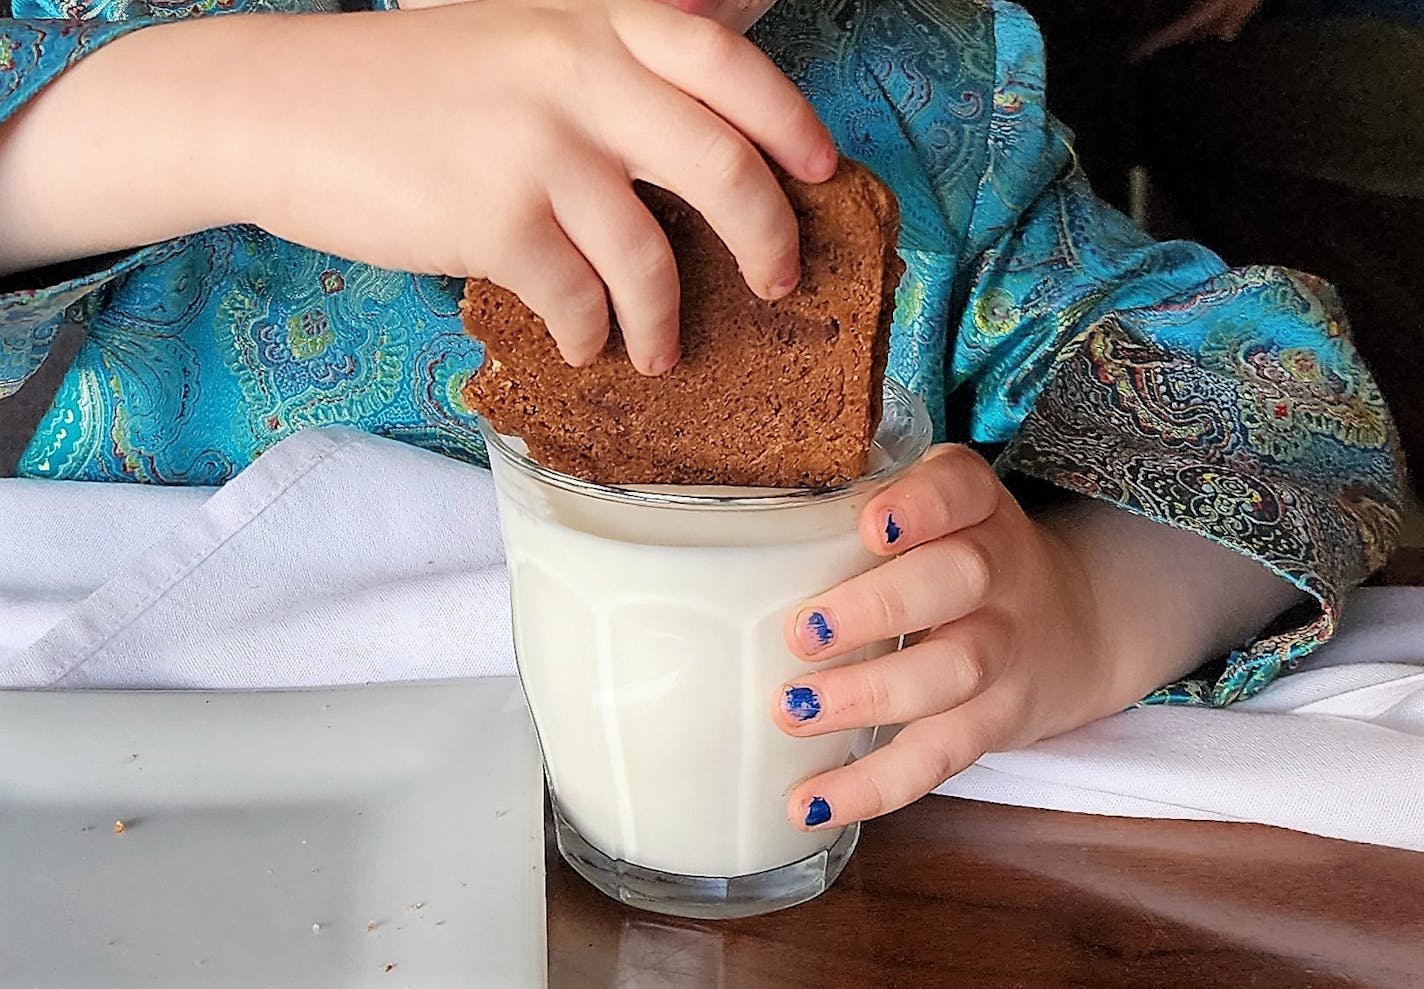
{"x": 264, "y": 832}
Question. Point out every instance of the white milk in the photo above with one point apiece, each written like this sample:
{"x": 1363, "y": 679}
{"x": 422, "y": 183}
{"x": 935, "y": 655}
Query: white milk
{"x": 652, "y": 663}
{"x": 649, "y": 629}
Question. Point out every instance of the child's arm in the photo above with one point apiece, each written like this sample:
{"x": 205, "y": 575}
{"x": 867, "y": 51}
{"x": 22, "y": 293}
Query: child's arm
{"x": 1230, "y": 453}
{"x": 496, "y": 139}
{"x": 113, "y": 139}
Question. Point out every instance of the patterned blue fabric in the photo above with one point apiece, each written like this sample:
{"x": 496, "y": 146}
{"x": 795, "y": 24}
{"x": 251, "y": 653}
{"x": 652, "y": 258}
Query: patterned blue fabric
{"x": 1228, "y": 402}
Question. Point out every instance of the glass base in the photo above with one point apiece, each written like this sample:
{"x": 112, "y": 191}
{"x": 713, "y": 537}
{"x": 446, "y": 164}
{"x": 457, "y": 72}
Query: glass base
{"x": 705, "y": 897}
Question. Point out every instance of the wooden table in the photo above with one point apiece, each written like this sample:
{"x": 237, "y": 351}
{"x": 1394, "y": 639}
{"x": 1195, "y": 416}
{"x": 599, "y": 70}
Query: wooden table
{"x": 958, "y": 893}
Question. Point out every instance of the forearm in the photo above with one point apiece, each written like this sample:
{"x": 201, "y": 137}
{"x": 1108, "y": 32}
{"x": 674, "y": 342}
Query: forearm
{"x": 1166, "y": 600}
{"x": 133, "y": 145}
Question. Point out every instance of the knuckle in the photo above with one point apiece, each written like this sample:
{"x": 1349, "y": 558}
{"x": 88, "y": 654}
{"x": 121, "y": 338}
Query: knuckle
{"x": 709, "y": 44}
{"x": 875, "y": 799}
{"x": 730, "y": 160}
{"x": 974, "y": 569}
{"x": 972, "y": 471}
{"x": 937, "y": 759}
{"x": 554, "y": 40}
{"x": 989, "y": 489}
{"x": 936, "y": 762}
{"x": 649, "y": 260}
{"x": 875, "y": 696}
{"x": 1017, "y": 708}
{"x": 976, "y": 665}
{"x": 963, "y": 460}
{"x": 888, "y": 606}
{"x": 534, "y": 133}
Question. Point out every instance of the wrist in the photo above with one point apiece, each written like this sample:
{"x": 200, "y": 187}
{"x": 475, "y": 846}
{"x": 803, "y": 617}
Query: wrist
{"x": 269, "y": 139}
{"x": 205, "y": 105}
{"x": 1129, "y": 644}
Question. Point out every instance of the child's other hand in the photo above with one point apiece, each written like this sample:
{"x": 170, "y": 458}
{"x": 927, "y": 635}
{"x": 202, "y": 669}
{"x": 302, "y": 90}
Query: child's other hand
{"x": 1031, "y": 627}
{"x": 1011, "y": 625}
{"x": 500, "y": 139}
{"x": 1220, "y": 19}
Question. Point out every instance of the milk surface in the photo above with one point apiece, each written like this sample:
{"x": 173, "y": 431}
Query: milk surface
{"x": 651, "y": 648}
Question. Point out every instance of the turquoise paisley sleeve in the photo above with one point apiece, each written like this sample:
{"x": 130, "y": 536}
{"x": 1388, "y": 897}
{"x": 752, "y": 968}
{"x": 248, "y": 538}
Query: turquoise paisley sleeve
{"x": 33, "y": 52}
{"x": 1225, "y": 401}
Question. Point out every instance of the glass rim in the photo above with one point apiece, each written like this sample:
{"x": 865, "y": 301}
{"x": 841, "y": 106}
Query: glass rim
{"x": 917, "y": 436}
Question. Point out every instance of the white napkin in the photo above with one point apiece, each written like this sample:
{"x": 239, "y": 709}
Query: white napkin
{"x": 343, "y": 558}
{"x": 1335, "y": 749}
{"x": 337, "y": 558}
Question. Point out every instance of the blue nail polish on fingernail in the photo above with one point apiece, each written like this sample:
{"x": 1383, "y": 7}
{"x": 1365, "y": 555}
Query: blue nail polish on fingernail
{"x": 892, "y": 530}
{"x": 802, "y": 703}
{"x": 820, "y": 627}
{"x": 817, "y": 812}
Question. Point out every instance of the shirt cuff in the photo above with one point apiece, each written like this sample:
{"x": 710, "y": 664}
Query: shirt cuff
{"x": 1273, "y": 452}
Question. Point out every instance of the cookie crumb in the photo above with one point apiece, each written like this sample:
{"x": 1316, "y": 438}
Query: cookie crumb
{"x": 316, "y": 928}
{"x": 416, "y": 906}
{"x": 120, "y": 827}
{"x": 370, "y": 926}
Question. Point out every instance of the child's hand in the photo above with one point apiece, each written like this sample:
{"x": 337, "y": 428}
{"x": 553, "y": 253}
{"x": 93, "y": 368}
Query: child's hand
{"x": 1220, "y": 19}
{"x": 497, "y": 139}
{"x": 501, "y": 139}
{"x": 1034, "y": 628}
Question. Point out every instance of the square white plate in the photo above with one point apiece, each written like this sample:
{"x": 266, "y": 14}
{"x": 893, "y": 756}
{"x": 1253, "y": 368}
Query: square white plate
{"x": 265, "y": 832}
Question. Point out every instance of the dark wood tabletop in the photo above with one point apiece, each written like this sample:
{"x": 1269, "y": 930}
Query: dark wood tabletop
{"x": 957, "y": 893}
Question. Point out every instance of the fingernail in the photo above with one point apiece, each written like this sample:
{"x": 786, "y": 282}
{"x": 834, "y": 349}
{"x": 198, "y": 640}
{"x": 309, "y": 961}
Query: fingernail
{"x": 802, "y": 703}
{"x": 814, "y": 631}
{"x": 817, "y": 812}
{"x": 826, "y": 161}
{"x": 786, "y": 286}
{"x": 893, "y": 532}
{"x": 662, "y": 364}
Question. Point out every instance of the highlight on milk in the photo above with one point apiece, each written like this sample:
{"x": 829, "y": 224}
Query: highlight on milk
{"x": 648, "y": 628}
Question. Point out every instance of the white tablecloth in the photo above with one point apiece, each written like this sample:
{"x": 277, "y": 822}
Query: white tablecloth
{"x": 342, "y": 558}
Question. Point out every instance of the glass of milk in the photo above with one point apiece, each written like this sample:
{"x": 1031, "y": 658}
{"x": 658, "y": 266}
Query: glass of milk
{"x": 648, "y": 626}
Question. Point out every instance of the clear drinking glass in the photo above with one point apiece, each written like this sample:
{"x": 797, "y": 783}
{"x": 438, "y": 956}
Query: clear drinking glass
{"x": 648, "y": 628}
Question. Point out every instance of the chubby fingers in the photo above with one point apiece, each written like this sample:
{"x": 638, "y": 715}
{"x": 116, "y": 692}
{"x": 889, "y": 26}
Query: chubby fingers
{"x": 736, "y": 80}
{"x": 723, "y": 99}
{"x": 610, "y": 226}
{"x": 962, "y": 551}
{"x": 554, "y": 279}
{"x": 928, "y": 586}
{"x": 952, "y": 488}
{"x": 923, "y": 755}
{"x": 952, "y": 665}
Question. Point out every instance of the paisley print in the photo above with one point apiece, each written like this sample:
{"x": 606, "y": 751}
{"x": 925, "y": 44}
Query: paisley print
{"x": 1132, "y": 422}
{"x": 310, "y": 356}
{"x": 1229, "y": 402}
